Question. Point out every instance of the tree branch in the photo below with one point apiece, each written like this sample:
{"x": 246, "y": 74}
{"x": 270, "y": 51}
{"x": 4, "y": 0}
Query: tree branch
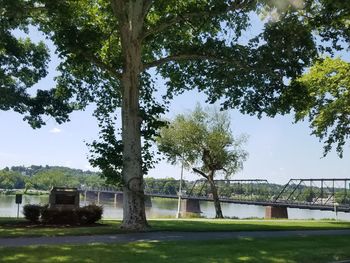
{"x": 180, "y": 57}
{"x": 147, "y": 4}
{"x": 200, "y": 172}
{"x": 97, "y": 62}
{"x": 118, "y": 7}
{"x": 238, "y": 4}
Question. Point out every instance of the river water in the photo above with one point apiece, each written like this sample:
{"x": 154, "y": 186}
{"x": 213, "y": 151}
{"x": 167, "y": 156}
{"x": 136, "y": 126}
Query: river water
{"x": 167, "y": 208}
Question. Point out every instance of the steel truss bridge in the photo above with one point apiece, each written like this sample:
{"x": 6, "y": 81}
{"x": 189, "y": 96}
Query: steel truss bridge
{"x": 316, "y": 194}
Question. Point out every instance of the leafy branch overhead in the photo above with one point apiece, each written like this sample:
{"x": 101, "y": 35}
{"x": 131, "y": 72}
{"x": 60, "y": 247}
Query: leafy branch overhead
{"x": 193, "y": 44}
{"x": 323, "y": 96}
{"x": 190, "y": 51}
{"x": 22, "y": 64}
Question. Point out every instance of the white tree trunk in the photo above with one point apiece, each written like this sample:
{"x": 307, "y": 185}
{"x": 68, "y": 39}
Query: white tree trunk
{"x": 131, "y": 21}
{"x": 214, "y": 190}
{"x": 134, "y": 207}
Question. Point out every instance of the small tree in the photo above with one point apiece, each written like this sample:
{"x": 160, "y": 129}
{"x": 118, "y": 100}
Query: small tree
{"x": 202, "y": 140}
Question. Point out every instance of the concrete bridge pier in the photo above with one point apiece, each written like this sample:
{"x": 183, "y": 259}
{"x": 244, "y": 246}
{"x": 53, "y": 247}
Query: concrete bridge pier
{"x": 98, "y": 198}
{"x": 106, "y": 196}
{"x": 91, "y": 196}
{"x": 148, "y": 201}
{"x": 118, "y": 199}
{"x": 190, "y": 206}
{"x": 85, "y": 193}
{"x": 276, "y": 212}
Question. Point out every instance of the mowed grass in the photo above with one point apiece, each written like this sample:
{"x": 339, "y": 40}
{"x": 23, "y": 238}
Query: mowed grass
{"x": 10, "y": 227}
{"x": 19, "y": 228}
{"x": 277, "y": 250}
{"x": 201, "y": 225}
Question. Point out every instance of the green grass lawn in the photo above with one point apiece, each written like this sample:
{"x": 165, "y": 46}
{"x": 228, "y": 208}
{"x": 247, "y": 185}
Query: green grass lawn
{"x": 247, "y": 250}
{"x": 244, "y": 225}
{"x": 18, "y": 228}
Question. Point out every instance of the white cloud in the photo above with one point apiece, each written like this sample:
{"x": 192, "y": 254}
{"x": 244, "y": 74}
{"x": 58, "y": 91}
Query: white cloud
{"x": 55, "y": 130}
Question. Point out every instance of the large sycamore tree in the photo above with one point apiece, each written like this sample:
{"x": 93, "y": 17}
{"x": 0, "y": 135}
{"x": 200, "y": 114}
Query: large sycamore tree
{"x": 202, "y": 141}
{"x": 109, "y": 48}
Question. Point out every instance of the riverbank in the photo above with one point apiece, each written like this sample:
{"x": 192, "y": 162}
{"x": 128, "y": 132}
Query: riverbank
{"x": 167, "y": 208}
{"x": 23, "y": 192}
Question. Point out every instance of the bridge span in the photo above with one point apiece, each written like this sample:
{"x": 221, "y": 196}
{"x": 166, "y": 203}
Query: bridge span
{"x": 331, "y": 194}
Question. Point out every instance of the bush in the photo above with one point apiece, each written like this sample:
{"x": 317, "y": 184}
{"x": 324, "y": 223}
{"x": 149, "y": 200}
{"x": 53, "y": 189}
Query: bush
{"x": 82, "y": 215}
{"x": 32, "y": 212}
{"x": 90, "y": 214}
{"x": 59, "y": 216}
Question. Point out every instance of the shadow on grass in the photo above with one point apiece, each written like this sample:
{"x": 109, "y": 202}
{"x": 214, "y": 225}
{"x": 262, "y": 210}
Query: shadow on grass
{"x": 279, "y": 250}
{"x": 246, "y": 225}
{"x": 21, "y": 228}
{"x": 11, "y": 227}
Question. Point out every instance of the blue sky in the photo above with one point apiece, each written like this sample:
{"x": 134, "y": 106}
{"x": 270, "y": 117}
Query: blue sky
{"x": 278, "y": 149}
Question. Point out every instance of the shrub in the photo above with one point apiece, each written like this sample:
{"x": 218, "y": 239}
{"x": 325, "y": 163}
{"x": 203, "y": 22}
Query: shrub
{"x": 59, "y": 216}
{"x": 90, "y": 214}
{"x": 32, "y": 212}
{"x": 83, "y": 215}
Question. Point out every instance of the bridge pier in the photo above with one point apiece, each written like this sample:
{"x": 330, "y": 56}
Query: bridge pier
{"x": 190, "y": 206}
{"x": 276, "y": 212}
{"x": 118, "y": 199}
{"x": 148, "y": 201}
{"x": 85, "y": 193}
{"x": 106, "y": 196}
{"x": 90, "y": 195}
{"x": 98, "y": 198}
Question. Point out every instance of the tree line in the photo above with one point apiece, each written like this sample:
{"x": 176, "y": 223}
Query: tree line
{"x": 45, "y": 177}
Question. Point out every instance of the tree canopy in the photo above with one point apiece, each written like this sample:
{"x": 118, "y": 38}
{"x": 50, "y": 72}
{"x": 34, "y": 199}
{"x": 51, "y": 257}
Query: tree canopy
{"x": 23, "y": 63}
{"x": 322, "y": 95}
{"x": 11, "y": 180}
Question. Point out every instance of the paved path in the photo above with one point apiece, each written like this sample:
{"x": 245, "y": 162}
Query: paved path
{"x": 162, "y": 236}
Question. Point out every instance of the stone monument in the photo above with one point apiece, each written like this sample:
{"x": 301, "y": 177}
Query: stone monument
{"x": 64, "y": 198}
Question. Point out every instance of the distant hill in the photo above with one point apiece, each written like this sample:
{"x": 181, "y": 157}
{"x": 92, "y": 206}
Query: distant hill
{"x": 33, "y": 169}
{"x": 45, "y": 177}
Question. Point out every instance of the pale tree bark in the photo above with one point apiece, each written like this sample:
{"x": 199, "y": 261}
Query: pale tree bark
{"x": 214, "y": 191}
{"x": 130, "y": 17}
